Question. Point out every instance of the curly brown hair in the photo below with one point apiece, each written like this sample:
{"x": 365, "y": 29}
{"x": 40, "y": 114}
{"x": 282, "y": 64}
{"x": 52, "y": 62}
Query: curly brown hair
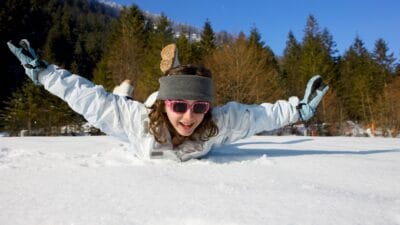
{"x": 159, "y": 119}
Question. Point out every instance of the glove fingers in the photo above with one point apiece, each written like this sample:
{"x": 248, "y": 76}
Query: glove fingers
{"x": 19, "y": 54}
{"x": 316, "y": 85}
{"x": 315, "y": 90}
{"x": 26, "y": 46}
{"x": 310, "y": 87}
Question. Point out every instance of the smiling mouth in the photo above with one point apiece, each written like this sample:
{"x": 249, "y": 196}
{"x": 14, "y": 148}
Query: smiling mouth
{"x": 186, "y": 126}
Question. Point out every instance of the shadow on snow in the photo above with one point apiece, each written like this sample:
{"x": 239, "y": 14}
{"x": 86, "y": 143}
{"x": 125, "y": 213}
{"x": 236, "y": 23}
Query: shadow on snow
{"x": 231, "y": 153}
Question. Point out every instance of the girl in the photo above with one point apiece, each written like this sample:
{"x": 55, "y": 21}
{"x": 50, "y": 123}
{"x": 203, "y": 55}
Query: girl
{"x": 179, "y": 122}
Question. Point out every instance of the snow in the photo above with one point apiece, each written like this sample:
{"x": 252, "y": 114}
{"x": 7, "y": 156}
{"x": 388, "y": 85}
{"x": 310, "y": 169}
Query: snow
{"x": 260, "y": 180}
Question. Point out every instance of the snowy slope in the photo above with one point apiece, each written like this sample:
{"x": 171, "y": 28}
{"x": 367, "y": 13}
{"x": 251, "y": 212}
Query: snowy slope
{"x": 261, "y": 180}
{"x": 111, "y": 4}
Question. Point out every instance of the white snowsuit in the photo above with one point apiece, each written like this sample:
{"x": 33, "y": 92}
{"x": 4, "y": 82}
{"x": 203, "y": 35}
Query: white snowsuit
{"x": 128, "y": 120}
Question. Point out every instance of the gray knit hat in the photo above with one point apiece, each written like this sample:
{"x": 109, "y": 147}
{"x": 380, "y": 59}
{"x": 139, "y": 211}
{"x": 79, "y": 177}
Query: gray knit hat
{"x": 189, "y": 87}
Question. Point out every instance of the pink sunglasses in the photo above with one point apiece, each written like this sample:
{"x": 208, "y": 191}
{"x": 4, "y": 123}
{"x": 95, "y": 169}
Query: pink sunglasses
{"x": 180, "y": 106}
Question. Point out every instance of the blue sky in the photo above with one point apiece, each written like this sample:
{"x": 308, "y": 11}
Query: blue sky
{"x": 345, "y": 19}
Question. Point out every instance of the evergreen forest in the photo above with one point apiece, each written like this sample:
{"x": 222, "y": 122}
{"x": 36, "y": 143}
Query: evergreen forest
{"x": 107, "y": 46}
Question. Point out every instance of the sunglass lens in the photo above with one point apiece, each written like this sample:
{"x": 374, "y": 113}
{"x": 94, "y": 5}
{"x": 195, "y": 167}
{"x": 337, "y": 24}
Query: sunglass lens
{"x": 200, "y": 108}
{"x": 180, "y": 107}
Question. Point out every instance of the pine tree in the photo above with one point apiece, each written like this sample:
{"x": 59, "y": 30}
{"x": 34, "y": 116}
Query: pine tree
{"x": 21, "y": 112}
{"x": 381, "y": 77}
{"x": 316, "y": 53}
{"x": 290, "y": 65}
{"x": 255, "y": 38}
{"x": 185, "y": 48}
{"x": 385, "y": 62}
{"x": 57, "y": 48}
{"x": 357, "y": 70}
{"x": 39, "y": 113}
{"x": 159, "y": 37}
{"x": 207, "y": 43}
{"x": 125, "y": 50}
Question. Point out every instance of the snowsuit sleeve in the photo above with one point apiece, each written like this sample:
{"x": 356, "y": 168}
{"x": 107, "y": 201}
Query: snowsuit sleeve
{"x": 112, "y": 114}
{"x": 237, "y": 121}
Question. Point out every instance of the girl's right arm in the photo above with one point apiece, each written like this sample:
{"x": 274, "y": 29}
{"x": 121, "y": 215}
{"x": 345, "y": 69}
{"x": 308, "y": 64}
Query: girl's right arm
{"x": 112, "y": 114}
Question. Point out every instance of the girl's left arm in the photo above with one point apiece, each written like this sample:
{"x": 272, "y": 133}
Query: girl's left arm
{"x": 237, "y": 121}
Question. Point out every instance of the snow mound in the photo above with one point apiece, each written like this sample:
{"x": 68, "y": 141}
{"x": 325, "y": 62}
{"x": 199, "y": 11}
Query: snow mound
{"x": 260, "y": 180}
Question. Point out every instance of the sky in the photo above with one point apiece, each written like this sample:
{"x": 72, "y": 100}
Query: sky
{"x": 344, "y": 19}
{"x": 261, "y": 180}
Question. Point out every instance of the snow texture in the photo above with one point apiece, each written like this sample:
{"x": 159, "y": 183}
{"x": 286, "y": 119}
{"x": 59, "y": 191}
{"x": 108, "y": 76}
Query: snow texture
{"x": 260, "y": 180}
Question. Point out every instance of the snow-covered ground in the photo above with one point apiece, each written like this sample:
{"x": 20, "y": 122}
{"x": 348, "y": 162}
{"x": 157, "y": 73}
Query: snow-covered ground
{"x": 261, "y": 180}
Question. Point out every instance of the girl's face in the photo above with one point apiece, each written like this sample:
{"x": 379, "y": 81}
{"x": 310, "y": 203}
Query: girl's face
{"x": 185, "y": 121}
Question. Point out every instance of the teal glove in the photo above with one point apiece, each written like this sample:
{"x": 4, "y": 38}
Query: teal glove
{"x": 316, "y": 89}
{"x": 28, "y": 58}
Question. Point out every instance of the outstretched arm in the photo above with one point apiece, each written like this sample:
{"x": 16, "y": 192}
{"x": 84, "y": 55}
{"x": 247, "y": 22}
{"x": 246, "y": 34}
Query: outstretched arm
{"x": 114, "y": 115}
{"x": 237, "y": 121}
{"x": 110, "y": 113}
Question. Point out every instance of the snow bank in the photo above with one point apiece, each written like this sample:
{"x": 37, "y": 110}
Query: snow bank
{"x": 261, "y": 180}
